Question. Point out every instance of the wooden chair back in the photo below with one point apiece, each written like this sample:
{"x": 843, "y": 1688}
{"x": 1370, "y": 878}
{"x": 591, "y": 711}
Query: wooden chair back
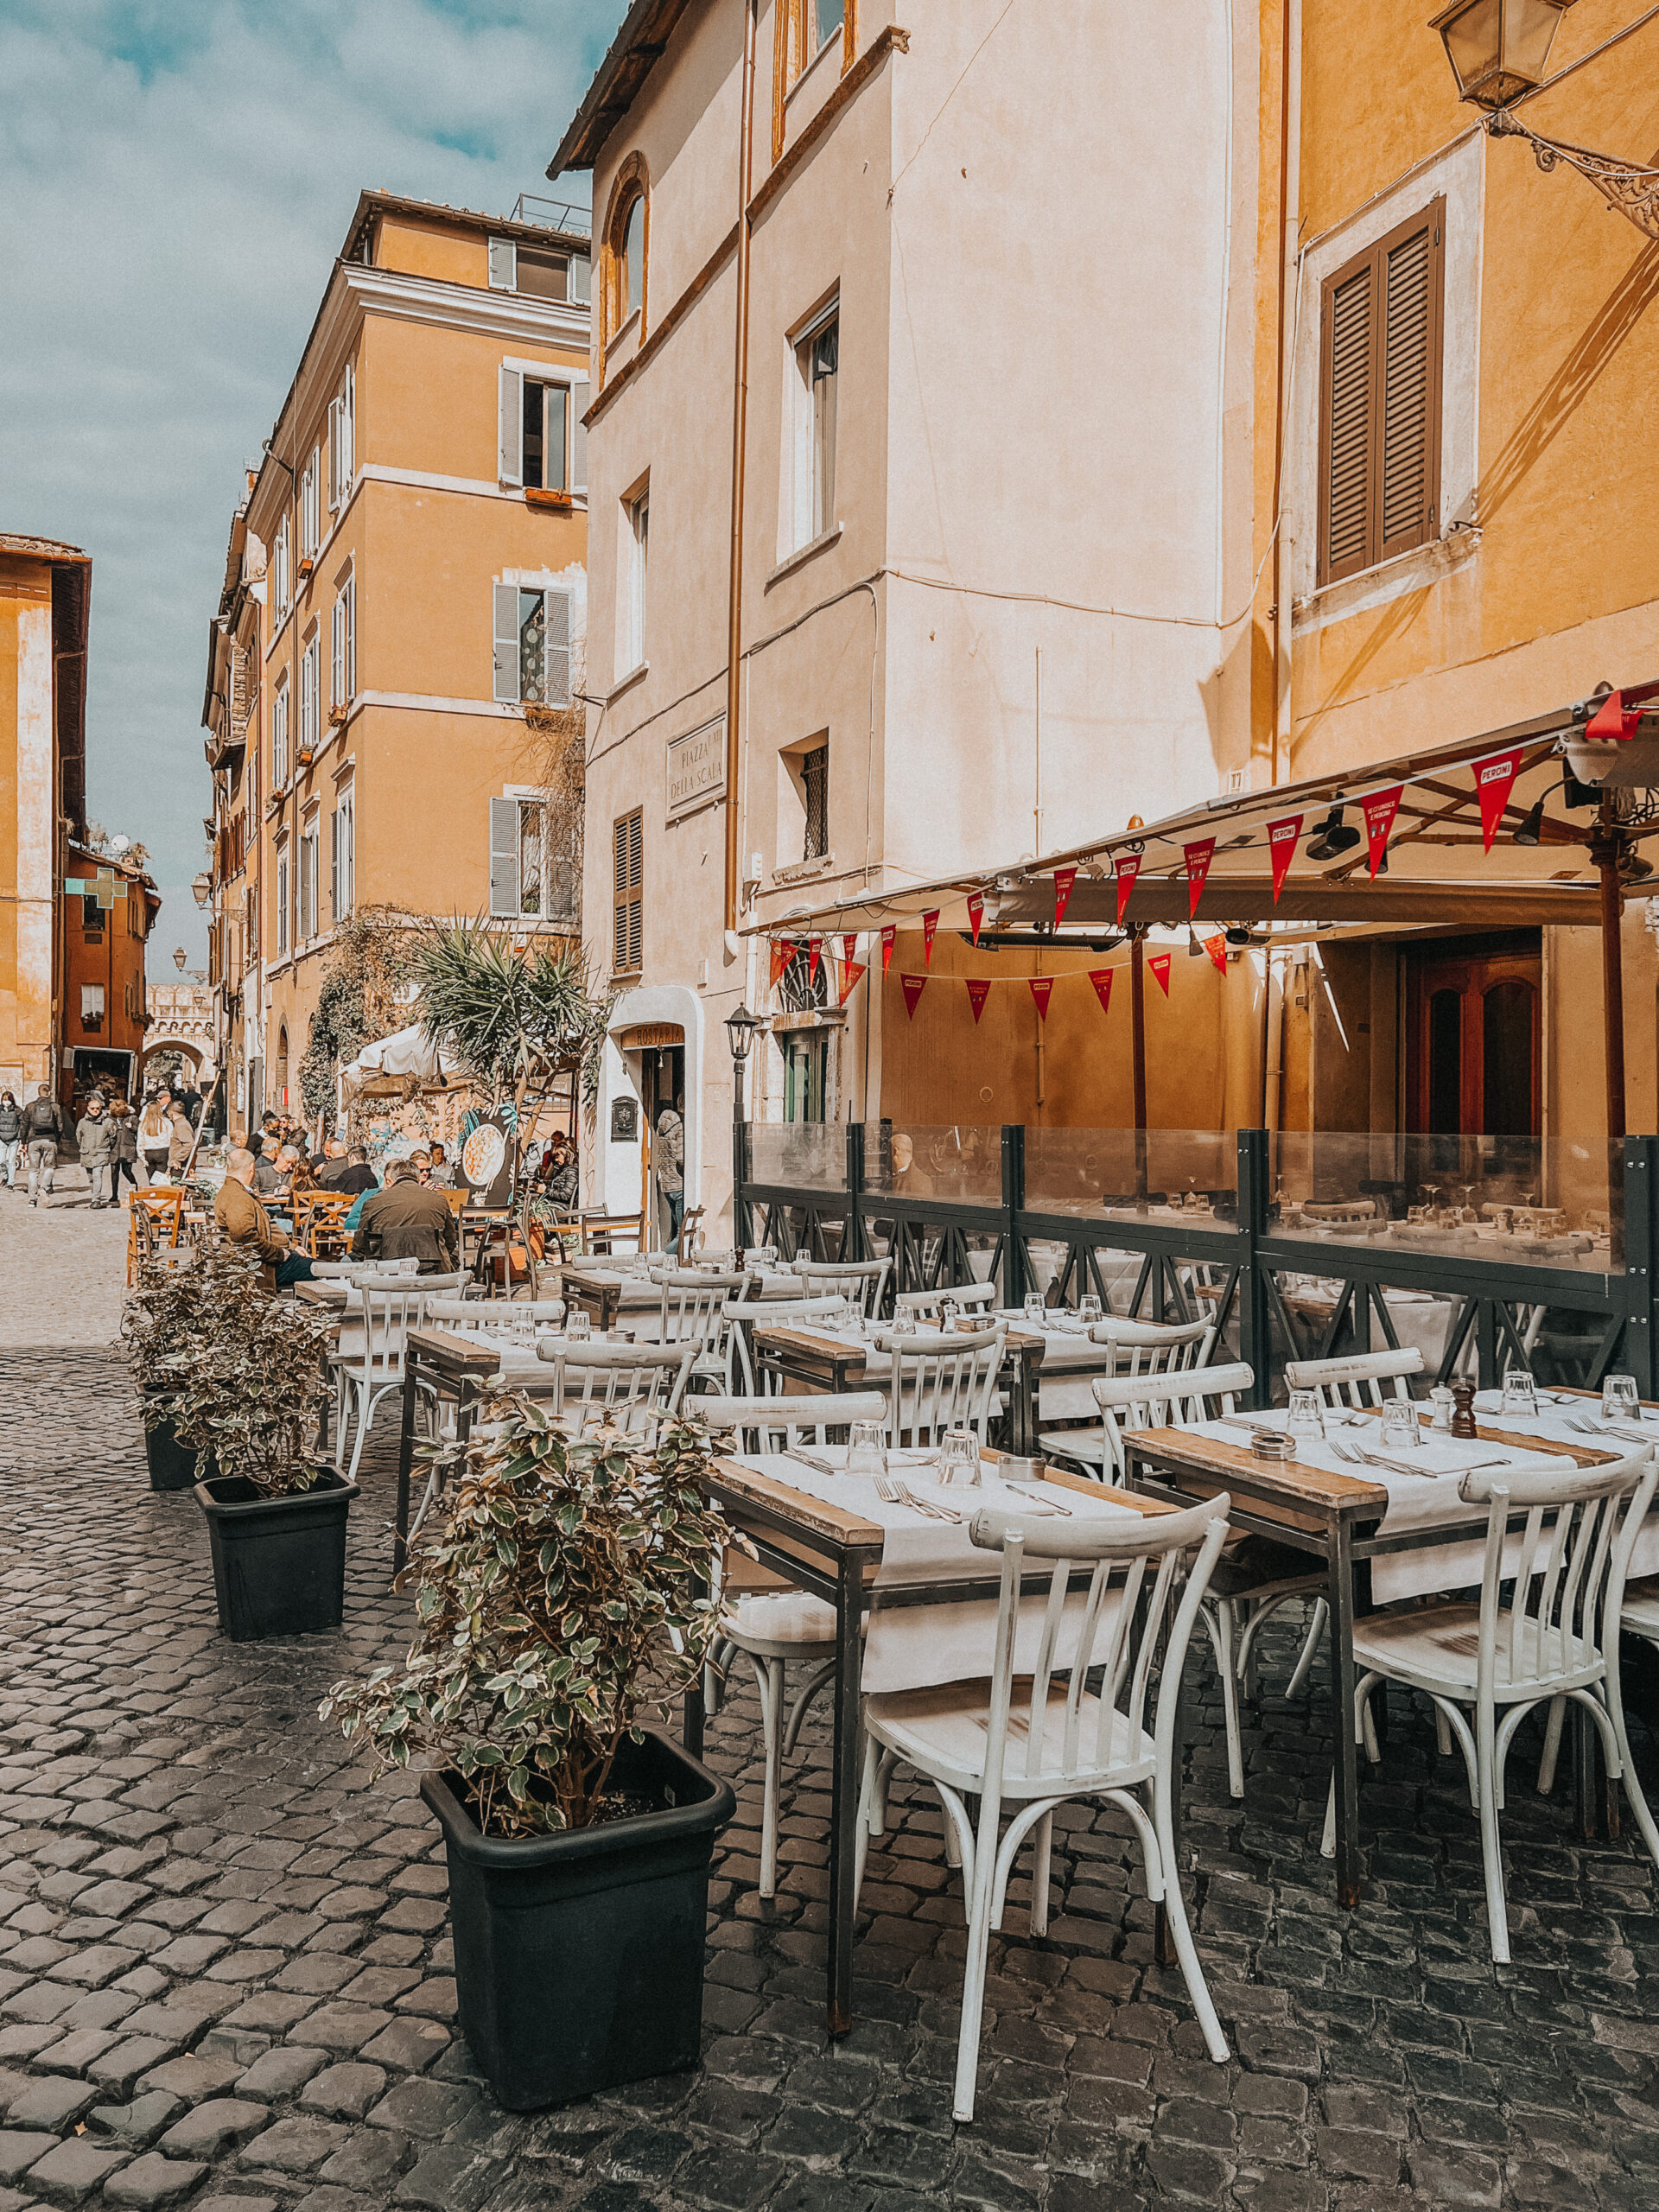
{"x": 1357, "y": 1381}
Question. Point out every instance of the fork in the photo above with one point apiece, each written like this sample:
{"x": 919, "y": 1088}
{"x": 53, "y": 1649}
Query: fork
{"x": 907, "y": 1496}
{"x": 887, "y": 1491}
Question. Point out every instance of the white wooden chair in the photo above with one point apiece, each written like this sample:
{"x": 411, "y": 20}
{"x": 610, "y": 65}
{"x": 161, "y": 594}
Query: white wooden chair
{"x": 940, "y": 1381}
{"x": 369, "y": 1358}
{"x": 494, "y": 1317}
{"x": 773, "y": 1626}
{"x": 1556, "y": 1638}
{"x": 1038, "y": 1742}
{"x": 743, "y": 1314}
{"x": 930, "y": 1305}
{"x": 860, "y": 1282}
{"x": 631, "y": 1384}
{"x": 1353, "y": 1384}
{"x": 694, "y": 1312}
{"x": 1143, "y": 1348}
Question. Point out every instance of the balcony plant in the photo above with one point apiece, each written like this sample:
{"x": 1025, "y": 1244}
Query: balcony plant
{"x": 560, "y": 1607}
{"x": 239, "y": 1373}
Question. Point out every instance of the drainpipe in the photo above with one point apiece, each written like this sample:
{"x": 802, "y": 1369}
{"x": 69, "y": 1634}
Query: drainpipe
{"x": 739, "y": 432}
{"x": 1290, "y": 169}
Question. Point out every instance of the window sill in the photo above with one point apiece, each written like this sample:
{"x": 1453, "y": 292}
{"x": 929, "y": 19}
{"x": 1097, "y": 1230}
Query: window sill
{"x": 802, "y": 555}
{"x": 1425, "y": 565}
{"x": 640, "y": 669}
{"x": 556, "y": 503}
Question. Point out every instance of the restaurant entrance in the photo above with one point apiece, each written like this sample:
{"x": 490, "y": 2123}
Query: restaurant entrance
{"x": 1473, "y": 1059}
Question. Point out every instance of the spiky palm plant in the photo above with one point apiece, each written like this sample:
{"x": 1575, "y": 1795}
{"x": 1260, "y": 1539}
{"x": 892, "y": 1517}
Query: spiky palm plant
{"x": 518, "y": 1019}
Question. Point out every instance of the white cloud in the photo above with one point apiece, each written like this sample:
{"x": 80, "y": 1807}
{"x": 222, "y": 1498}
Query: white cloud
{"x": 175, "y": 179}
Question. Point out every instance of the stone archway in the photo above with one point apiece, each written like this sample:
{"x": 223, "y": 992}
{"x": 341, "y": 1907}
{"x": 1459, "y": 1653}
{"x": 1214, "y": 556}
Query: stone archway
{"x": 197, "y": 1054}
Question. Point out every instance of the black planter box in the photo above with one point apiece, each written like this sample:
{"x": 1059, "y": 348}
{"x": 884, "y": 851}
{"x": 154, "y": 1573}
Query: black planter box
{"x": 579, "y": 1957}
{"x": 172, "y": 1465}
{"x": 279, "y": 1563}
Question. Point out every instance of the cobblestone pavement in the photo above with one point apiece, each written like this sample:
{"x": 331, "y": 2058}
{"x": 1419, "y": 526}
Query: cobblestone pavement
{"x": 224, "y": 1970}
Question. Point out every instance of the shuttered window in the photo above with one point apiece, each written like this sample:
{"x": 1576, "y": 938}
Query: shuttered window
{"x": 1380, "y": 399}
{"x": 628, "y": 847}
{"x": 504, "y": 856}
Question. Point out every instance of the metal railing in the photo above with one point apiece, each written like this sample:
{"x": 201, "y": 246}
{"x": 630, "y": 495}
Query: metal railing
{"x": 1570, "y": 1323}
{"x": 553, "y": 214}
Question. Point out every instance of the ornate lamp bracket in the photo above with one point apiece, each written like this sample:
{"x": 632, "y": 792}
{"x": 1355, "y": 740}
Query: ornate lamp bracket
{"x": 1629, "y": 188}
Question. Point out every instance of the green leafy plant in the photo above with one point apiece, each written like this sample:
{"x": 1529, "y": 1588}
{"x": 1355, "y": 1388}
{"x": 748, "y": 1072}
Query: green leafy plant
{"x": 518, "y": 1019}
{"x": 562, "y": 1603}
{"x": 357, "y": 1000}
{"x": 237, "y": 1371}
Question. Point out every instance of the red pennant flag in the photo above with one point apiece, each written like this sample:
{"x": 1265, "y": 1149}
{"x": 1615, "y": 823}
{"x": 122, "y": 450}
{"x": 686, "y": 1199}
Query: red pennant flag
{"x": 1159, "y": 964}
{"x": 1380, "y": 811}
{"x": 1064, "y": 879}
{"x": 914, "y": 986}
{"x": 1198, "y": 856}
{"x": 850, "y": 972}
{"x": 1492, "y": 780}
{"x": 1282, "y": 837}
{"x": 1042, "y": 990}
{"x": 930, "y": 923}
{"x": 979, "y": 990}
{"x": 1613, "y": 719}
{"x": 1101, "y": 979}
{"x": 1127, "y": 866}
{"x": 1217, "y": 948}
{"x": 814, "y": 954}
{"x": 889, "y": 938}
{"x": 976, "y": 914}
{"x": 849, "y": 946}
{"x": 781, "y": 956}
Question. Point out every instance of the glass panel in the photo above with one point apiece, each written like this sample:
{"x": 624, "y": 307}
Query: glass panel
{"x": 1446, "y": 1062}
{"x": 961, "y": 1165}
{"x": 830, "y": 14}
{"x": 1514, "y": 1201}
{"x": 634, "y": 249}
{"x": 1189, "y": 1174}
{"x": 1472, "y": 41}
{"x": 1506, "y": 1057}
{"x": 799, "y": 1155}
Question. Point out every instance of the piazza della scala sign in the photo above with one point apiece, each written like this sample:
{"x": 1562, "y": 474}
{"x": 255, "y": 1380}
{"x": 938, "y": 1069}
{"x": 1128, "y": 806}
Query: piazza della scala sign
{"x": 696, "y": 768}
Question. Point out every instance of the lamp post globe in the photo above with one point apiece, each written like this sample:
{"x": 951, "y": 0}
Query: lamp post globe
{"x": 1498, "y": 48}
{"x": 741, "y": 1027}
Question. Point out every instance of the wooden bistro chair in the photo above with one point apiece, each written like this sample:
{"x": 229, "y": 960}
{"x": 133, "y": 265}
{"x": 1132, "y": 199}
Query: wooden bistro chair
{"x": 930, "y": 1305}
{"x": 860, "y": 1282}
{"x": 1253, "y": 1579}
{"x": 1143, "y": 1348}
{"x": 631, "y": 1384}
{"x": 695, "y": 1311}
{"x": 940, "y": 1381}
{"x": 1035, "y": 1741}
{"x": 774, "y": 1624}
{"x": 320, "y": 1223}
{"x": 154, "y": 1221}
{"x": 1555, "y": 1637}
{"x": 744, "y": 1314}
{"x": 369, "y": 1360}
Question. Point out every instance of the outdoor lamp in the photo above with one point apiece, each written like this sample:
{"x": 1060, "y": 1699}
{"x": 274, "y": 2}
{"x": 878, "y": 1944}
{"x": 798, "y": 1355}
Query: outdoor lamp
{"x": 1332, "y": 837}
{"x": 1498, "y": 48}
{"x": 1532, "y": 829}
{"x": 741, "y": 1027}
{"x": 1236, "y": 934}
{"x": 180, "y": 956}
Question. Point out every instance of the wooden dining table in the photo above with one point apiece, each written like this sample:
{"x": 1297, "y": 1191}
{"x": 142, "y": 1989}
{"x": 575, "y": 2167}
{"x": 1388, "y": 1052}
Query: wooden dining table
{"x": 1335, "y": 1518}
{"x": 813, "y": 1359}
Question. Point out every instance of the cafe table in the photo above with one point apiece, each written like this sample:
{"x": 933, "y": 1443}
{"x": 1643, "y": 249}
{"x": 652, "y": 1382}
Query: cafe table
{"x": 1312, "y": 1504}
{"x": 834, "y": 1548}
{"x": 822, "y": 1358}
{"x": 608, "y": 1295}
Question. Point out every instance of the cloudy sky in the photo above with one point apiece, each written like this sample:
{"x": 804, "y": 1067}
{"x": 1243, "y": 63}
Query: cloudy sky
{"x": 175, "y": 179}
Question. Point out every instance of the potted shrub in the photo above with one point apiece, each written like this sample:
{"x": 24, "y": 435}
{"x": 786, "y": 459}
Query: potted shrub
{"x": 164, "y": 1326}
{"x": 562, "y": 1603}
{"x": 251, "y": 1395}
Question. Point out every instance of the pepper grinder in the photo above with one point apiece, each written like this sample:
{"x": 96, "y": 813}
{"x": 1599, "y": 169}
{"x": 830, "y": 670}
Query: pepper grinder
{"x": 1463, "y": 1410}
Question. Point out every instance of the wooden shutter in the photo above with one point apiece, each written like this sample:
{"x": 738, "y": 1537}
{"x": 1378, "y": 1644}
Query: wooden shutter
{"x": 557, "y": 604}
{"x": 628, "y": 852}
{"x": 581, "y": 279}
{"x": 506, "y": 641}
{"x": 334, "y": 494}
{"x": 556, "y": 436}
{"x": 351, "y": 635}
{"x": 510, "y": 464}
{"x": 580, "y": 400}
{"x": 337, "y": 654}
{"x": 347, "y": 431}
{"x": 504, "y": 265}
{"x": 1380, "y": 376}
{"x": 504, "y": 856}
{"x": 334, "y": 866}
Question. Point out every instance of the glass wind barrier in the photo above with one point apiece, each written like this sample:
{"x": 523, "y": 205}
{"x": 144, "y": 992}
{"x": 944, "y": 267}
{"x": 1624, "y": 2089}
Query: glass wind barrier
{"x": 1516, "y": 1202}
{"x": 961, "y": 1165}
{"x": 1170, "y": 1177}
{"x": 799, "y": 1155}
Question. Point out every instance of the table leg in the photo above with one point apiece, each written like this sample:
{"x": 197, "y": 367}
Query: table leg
{"x": 405, "y": 1462}
{"x": 1346, "y": 1752}
{"x": 843, "y": 1798}
{"x": 1022, "y": 1414}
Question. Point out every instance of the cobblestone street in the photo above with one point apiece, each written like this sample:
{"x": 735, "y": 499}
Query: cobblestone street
{"x": 225, "y": 1977}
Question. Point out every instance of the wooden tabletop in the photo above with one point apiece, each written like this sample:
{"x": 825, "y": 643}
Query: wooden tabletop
{"x": 1219, "y": 1460}
{"x": 454, "y": 1354}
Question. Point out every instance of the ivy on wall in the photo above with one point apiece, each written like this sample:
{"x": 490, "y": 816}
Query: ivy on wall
{"x": 359, "y": 999}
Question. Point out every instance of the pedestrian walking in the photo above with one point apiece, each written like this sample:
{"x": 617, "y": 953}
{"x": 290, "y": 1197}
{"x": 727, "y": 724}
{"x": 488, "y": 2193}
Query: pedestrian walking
{"x": 123, "y": 1147}
{"x": 180, "y": 1138}
{"x": 671, "y": 1183}
{"x": 46, "y": 1126}
{"x": 11, "y": 1137}
{"x": 94, "y": 1139}
{"x": 154, "y": 1136}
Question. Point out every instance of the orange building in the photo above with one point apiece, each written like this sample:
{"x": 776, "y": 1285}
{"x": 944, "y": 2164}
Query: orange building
{"x": 105, "y": 1014}
{"x": 400, "y": 632}
{"x": 45, "y": 593}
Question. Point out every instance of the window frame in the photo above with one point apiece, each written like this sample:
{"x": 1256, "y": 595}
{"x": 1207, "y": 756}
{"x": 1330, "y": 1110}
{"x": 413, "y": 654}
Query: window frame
{"x": 812, "y": 500}
{"x": 284, "y": 879}
{"x": 281, "y": 730}
{"x": 310, "y": 696}
{"x": 637, "y": 515}
{"x": 308, "y": 919}
{"x": 632, "y": 184}
{"x": 792, "y": 60}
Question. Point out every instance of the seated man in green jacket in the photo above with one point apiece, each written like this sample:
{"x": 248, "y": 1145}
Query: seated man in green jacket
{"x": 408, "y": 1221}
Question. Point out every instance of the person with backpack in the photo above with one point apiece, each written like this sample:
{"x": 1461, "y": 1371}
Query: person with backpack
{"x": 95, "y": 1141}
{"x": 11, "y": 1137}
{"x": 45, "y": 1127}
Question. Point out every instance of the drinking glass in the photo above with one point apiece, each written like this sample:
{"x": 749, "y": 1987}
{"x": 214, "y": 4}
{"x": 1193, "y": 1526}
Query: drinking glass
{"x": 1089, "y": 1308}
{"x": 523, "y": 1325}
{"x": 767, "y": 1254}
{"x": 959, "y": 1460}
{"x": 1620, "y": 1399}
{"x": 867, "y": 1449}
{"x": 904, "y": 1322}
{"x": 1036, "y": 1312}
{"x": 1400, "y": 1430}
{"x": 1520, "y": 1396}
{"x": 1304, "y": 1416}
{"x": 578, "y": 1324}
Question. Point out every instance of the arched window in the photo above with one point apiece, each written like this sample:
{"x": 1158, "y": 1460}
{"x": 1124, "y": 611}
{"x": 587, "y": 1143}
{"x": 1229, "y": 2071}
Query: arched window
{"x": 625, "y": 250}
{"x": 633, "y": 256}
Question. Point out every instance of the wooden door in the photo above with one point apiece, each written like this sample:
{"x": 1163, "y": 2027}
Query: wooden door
{"x": 1474, "y": 1065}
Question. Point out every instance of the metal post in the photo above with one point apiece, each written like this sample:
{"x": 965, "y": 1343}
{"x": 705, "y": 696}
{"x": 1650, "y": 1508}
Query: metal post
{"x": 854, "y": 1243}
{"x": 742, "y": 1212}
{"x": 1254, "y": 1327}
{"x": 1138, "y": 1050}
{"x": 1013, "y": 1205}
{"x": 1607, "y": 848}
{"x": 1641, "y": 1242}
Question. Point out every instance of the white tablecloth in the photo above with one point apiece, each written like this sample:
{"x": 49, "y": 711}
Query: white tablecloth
{"x": 1069, "y": 1358}
{"x": 919, "y": 1647}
